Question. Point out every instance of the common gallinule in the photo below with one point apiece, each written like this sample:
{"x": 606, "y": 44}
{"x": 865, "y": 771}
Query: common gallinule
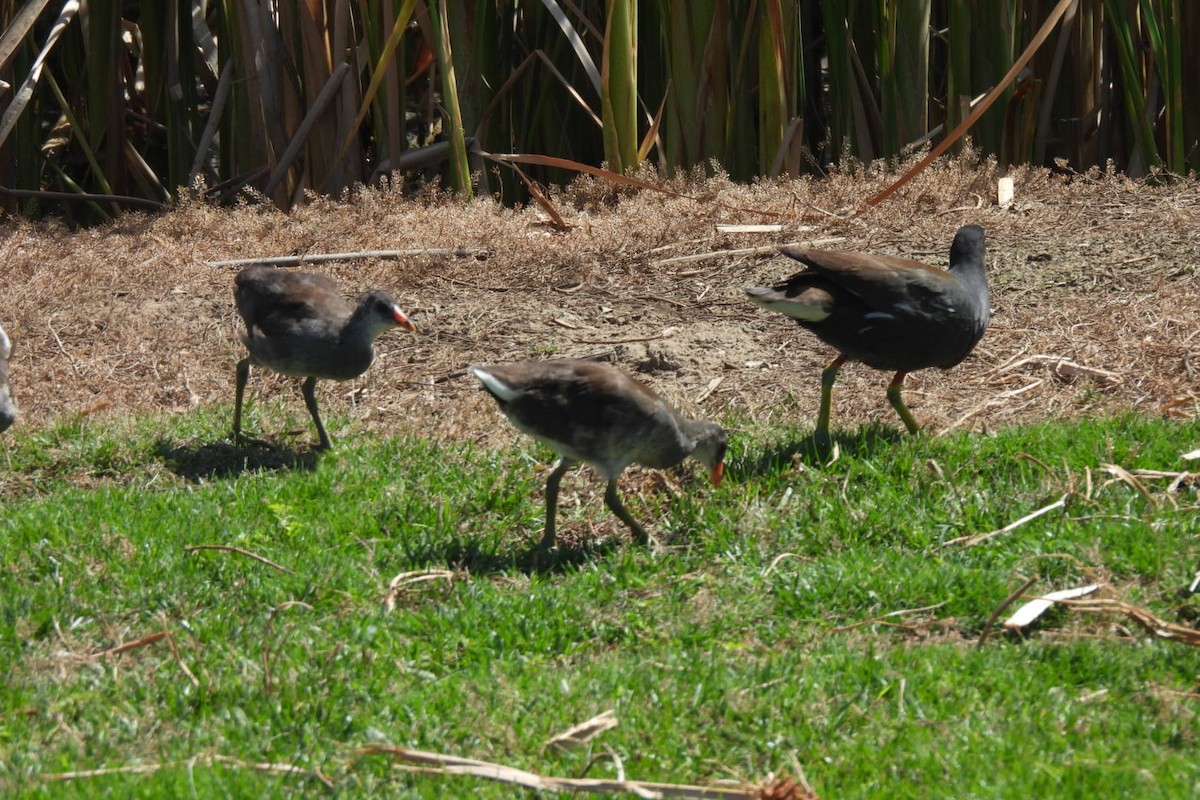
{"x": 8, "y": 408}
{"x": 593, "y": 412}
{"x": 889, "y": 313}
{"x": 298, "y": 323}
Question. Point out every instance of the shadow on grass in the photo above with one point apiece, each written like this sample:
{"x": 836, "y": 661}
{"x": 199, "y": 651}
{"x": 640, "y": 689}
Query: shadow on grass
{"x": 815, "y": 452}
{"x": 480, "y": 559}
{"x": 218, "y": 460}
{"x": 538, "y": 560}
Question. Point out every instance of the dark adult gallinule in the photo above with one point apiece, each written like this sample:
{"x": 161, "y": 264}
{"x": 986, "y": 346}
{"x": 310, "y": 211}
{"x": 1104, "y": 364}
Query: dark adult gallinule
{"x": 8, "y": 408}
{"x": 889, "y": 313}
{"x": 298, "y": 323}
{"x": 587, "y": 411}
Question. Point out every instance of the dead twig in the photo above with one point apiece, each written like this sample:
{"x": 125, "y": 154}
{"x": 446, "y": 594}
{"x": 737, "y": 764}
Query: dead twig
{"x": 179, "y": 658}
{"x": 888, "y": 615}
{"x": 958, "y": 423}
{"x": 978, "y": 538}
{"x": 583, "y": 732}
{"x": 776, "y": 561}
{"x": 957, "y": 209}
{"x": 405, "y": 580}
{"x": 131, "y": 769}
{"x": 19, "y": 712}
{"x": 1005, "y": 603}
{"x": 84, "y": 197}
{"x": 480, "y": 287}
{"x": 667, "y": 334}
{"x": 358, "y": 255}
{"x": 136, "y": 643}
{"x": 193, "y": 547}
{"x": 1176, "y": 479}
{"x": 1123, "y": 475}
{"x": 62, "y": 349}
{"x": 1066, "y": 369}
{"x": 763, "y": 250}
{"x": 765, "y": 228}
{"x": 709, "y": 389}
{"x": 268, "y": 637}
{"x": 275, "y": 767}
{"x": 1128, "y": 261}
{"x": 208, "y": 761}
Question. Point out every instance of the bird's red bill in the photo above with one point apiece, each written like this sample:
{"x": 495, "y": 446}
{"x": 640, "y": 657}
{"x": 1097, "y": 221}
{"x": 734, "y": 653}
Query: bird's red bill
{"x": 402, "y": 320}
{"x": 718, "y": 473}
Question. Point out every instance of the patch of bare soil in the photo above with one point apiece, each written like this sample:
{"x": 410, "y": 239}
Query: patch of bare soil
{"x": 1096, "y": 300}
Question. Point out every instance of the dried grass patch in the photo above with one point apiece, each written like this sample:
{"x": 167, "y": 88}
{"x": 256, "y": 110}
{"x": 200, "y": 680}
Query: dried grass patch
{"x": 1094, "y": 271}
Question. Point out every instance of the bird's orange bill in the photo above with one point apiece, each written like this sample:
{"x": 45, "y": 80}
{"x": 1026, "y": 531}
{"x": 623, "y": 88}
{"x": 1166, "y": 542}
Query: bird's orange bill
{"x": 718, "y": 473}
{"x": 402, "y": 320}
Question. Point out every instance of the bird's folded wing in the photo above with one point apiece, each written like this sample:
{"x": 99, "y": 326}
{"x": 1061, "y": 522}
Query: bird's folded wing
{"x": 880, "y": 280}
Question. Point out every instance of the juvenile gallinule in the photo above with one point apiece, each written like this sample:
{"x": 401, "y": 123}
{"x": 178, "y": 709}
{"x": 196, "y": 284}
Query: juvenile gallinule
{"x": 889, "y": 313}
{"x": 298, "y": 323}
{"x": 593, "y": 412}
{"x": 8, "y": 408}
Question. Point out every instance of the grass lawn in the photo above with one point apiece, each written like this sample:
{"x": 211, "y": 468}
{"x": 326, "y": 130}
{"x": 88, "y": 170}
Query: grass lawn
{"x": 730, "y": 654}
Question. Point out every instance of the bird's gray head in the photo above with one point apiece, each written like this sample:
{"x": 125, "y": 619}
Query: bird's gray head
{"x": 379, "y": 312}
{"x": 710, "y": 444}
{"x": 968, "y": 247}
{"x": 8, "y": 408}
{"x": 967, "y": 265}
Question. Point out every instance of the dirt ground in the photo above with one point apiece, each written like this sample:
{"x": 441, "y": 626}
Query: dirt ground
{"x": 1095, "y": 293}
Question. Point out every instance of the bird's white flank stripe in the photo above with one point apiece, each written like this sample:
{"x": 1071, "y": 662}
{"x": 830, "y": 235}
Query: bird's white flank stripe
{"x": 495, "y": 385}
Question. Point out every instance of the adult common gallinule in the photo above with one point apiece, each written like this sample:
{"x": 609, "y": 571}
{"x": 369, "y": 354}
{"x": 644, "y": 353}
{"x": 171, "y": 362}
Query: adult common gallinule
{"x": 8, "y": 407}
{"x": 298, "y": 323}
{"x": 889, "y": 313}
{"x": 587, "y": 411}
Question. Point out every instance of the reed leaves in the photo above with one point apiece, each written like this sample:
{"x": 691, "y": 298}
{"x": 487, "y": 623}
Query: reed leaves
{"x": 138, "y": 99}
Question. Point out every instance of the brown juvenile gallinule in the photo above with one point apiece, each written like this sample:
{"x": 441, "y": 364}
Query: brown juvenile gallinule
{"x": 587, "y": 411}
{"x": 8, "y": 407}
{"x": 889, "y": 313}
{"x": 298, "y": 323}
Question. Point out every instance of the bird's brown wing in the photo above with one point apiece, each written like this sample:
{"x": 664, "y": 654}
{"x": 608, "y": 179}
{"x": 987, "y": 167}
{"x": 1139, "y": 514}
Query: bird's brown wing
{"x": 577, "y": 403}
{"x": 880, "y": 280}
{"x": 276, "y": 302}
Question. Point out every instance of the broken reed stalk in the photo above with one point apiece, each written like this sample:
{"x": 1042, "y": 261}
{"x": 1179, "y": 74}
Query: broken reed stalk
{"x": 429, "y": 763}
{"x": 1025, "y": 57}
{"x": 1159, "y": 627}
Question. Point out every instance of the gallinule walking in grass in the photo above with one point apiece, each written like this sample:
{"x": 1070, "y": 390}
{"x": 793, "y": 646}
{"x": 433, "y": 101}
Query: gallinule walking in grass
{"x": 587, "y": 411}
{"x": 8, "y": 408}
{"x": 889, "y": 313}
{"x": 298, "y": 323}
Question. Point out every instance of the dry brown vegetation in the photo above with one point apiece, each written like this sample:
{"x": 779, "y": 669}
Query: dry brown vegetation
{"x": 1095, "y": 269}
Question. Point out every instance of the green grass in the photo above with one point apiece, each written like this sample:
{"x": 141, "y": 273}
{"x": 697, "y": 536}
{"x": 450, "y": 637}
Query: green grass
{"x": 720, "y": 657}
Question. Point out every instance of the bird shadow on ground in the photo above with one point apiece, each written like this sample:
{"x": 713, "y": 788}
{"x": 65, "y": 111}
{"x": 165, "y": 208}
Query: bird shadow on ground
{"x": 815, "y": 452}
{"x": 218, "y": 460}
{"x": 480, "y": 559}
{"x": 538, "y": 560}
